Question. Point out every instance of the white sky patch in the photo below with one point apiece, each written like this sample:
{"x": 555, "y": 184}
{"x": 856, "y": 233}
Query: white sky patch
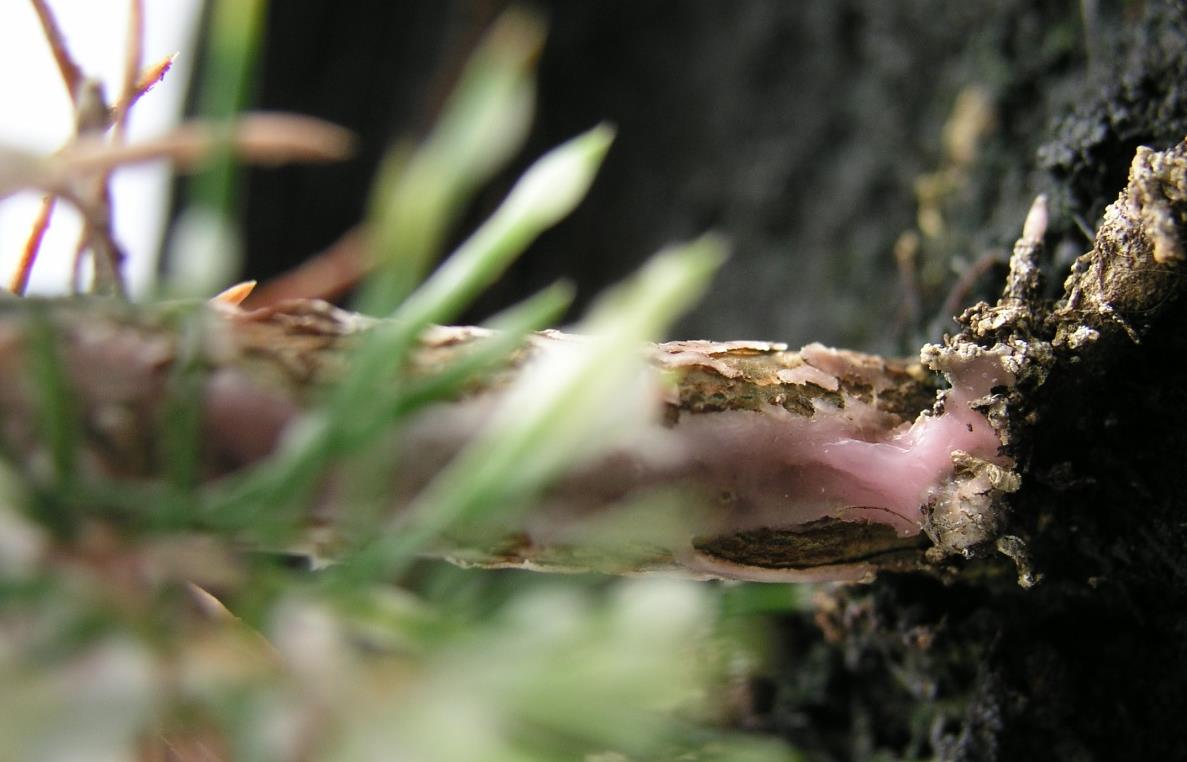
{"x": 36, "y": 115}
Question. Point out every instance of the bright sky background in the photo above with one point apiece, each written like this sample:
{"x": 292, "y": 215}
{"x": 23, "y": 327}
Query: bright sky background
{"x": 36, "y": 115}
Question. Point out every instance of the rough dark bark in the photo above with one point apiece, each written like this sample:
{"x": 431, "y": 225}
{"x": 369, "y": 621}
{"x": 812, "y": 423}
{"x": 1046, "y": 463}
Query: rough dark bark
{"x": 1088, "y": 662}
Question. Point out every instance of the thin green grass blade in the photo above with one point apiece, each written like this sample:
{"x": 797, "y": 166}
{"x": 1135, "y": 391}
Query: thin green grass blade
{"x": 367, "y": 400}
{"x": 419, "y": 193}
{"x": 204, "y": 250}
{"x": 183, "y": 435}
{"x": 560, "y": 411}
{"x": 57, "y": 409}
{"x": 282, "y": 484}
{"x": 233, "y": 44}
{"x": 510, "y": 327}
{"x": 58, "y": 420}
{"x": 365, "y": 440}
{"x": 547, "y": 193}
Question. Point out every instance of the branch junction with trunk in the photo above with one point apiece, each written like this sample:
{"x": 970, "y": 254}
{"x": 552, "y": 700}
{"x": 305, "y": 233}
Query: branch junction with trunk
{"x": 756, "y": 462}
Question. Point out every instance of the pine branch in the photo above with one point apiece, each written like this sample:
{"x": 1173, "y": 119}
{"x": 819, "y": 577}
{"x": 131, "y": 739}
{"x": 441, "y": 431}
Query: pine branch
{"x": 741, "y": 459}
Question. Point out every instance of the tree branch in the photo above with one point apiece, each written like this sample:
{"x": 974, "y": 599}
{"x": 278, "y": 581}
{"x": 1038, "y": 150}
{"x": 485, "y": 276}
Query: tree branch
{"x": 758, "y": 462}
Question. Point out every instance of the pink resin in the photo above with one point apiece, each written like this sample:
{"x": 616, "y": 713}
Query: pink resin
{"x": 782, "y": 470}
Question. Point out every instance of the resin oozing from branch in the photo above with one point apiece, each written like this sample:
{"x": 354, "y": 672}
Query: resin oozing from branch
{"x": 795, "y": 466}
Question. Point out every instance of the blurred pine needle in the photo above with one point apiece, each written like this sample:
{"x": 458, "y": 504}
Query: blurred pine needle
{"x": 153, "y": 621}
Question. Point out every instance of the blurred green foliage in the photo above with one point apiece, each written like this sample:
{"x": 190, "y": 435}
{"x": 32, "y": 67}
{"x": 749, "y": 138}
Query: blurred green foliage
{"x": 112, "y": 644}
